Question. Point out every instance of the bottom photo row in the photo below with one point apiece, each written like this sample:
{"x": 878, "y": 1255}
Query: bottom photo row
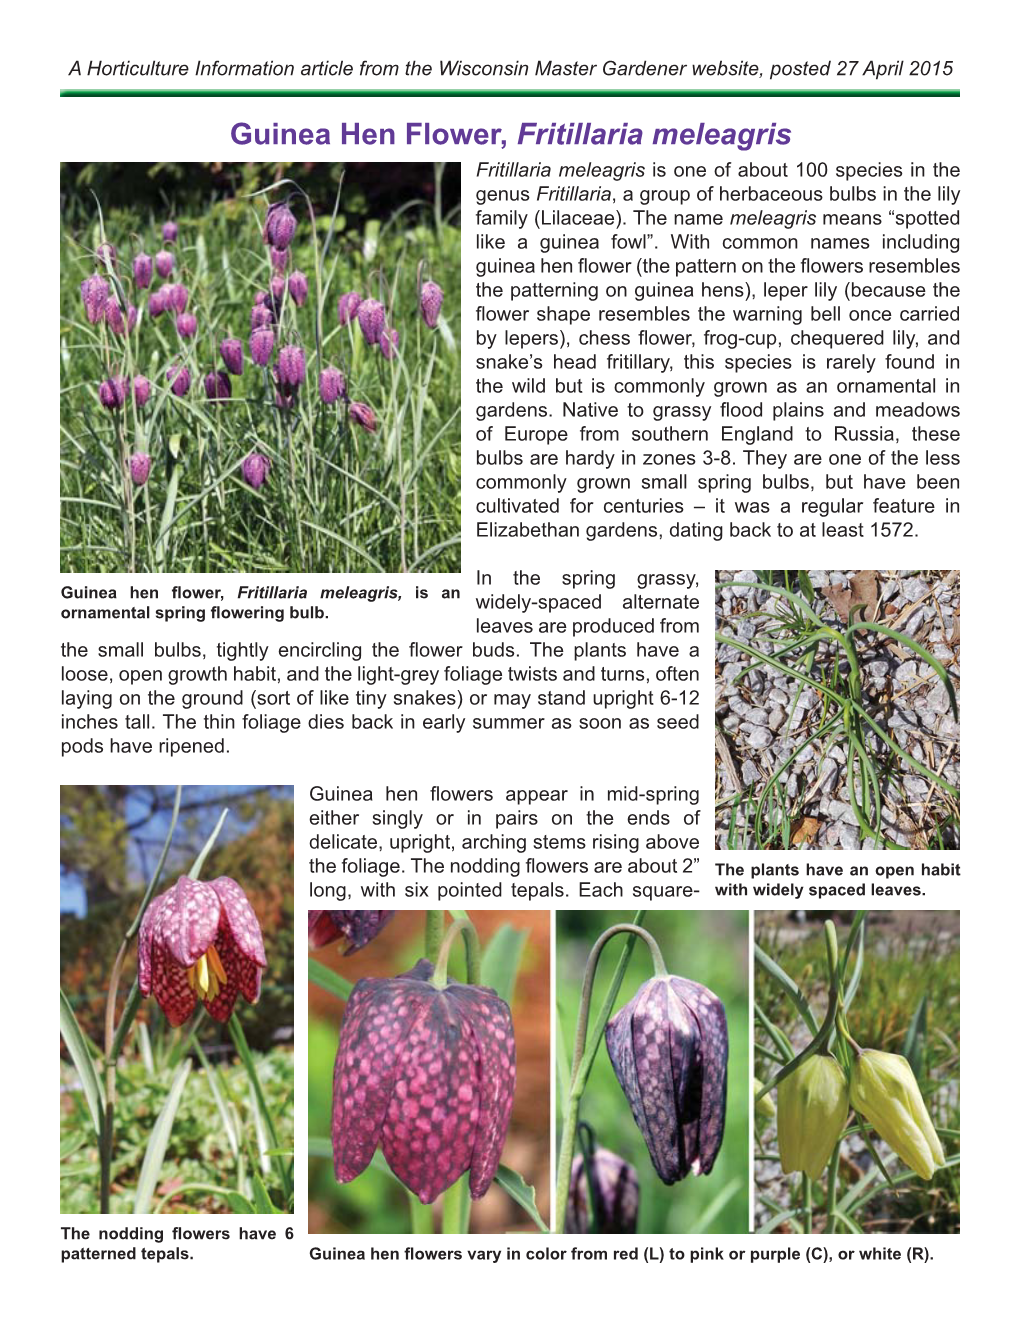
{"x": 524, "y": 1071}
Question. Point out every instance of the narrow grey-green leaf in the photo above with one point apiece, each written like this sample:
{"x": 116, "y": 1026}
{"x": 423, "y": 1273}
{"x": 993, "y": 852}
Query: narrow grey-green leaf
{"x": 521, "y": 1192}
{"x": 81, "y": 1057}
{"x": 152, "y": 1164}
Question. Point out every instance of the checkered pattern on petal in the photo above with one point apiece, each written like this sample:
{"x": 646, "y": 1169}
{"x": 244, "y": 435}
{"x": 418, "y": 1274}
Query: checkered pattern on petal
{"x": 170, "y": 986}
{"x": 240, "y": 917}
{"x": 711, "y": 1017}
{"x": 489, "y": 1021}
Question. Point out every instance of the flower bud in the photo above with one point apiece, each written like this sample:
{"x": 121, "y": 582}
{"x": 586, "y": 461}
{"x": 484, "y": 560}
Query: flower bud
{"x": 431, "y": 303}
{"x": 142, "y": 271}
{"x": 332, "y": 385}
{"x": 164, "y": 264}
{"x": 362, "y": 415}
{"x": 292, "y": 365}
{"x": 347, "y": 307}
{"x": 232, "y": 353}
{"x": 140, "y": 465}
{"x": 113, "y": 392}
{"x": 884, "y": 1091}
{"x": 169, "y": 232}
{"x": 615, "y": 1184}
{"x": 142, "y": 388}
{"x": 187, "y": 325}
{"x": 388, "y": 341}
{"x": 814, "y": 1101}
{"x": 261, "y": 345}
{"x": 180, "y": 379}
{"x": 280, "y": 226}
{"x": 372, "y": 319}
{"x": 297, "y": 284}
{"x": 94, "y": 293}
{"x": 255, "y": 469}
{"x": 217, "y": 385}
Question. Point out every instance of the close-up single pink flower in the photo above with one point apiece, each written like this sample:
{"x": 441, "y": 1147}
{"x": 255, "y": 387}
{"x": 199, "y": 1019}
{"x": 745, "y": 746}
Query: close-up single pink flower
{"x": 200, "y": 942}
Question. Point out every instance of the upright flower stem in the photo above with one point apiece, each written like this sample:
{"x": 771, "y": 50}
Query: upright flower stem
{"x": 831, "y": 1189}
{"x": 110, "y": 1079}
{"x": 434, "y": 922}
{"x": 584, "y": 1056}
{"x": 472, "y": 949}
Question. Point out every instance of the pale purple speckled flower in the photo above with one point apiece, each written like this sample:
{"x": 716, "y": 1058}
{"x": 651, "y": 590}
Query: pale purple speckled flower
{"x": 255, "y": 469}
{"x": 332, "y": 385}
{"x": 132, "y": 318}
{"x": 388, "y": 341}
{"x": 142, "y": 270}
{"x": 372, "y": 319}
{"x": 164, "y": 264}
{"x": 362, "y": 415}
{"x": 428, "y": 1075}
{"x": 169, "y": 232}
{"x": 200, "y": 941}
{"x": 180, "y": 379}
{"x": 217, "y": 385}
{"x": 232, "y": 353}
{"x": 298, "y": 286}
{"x": 292, "y": 365}
{"x": 669, "y": 1049}
{"x": 176, "y": 297}
{"x": 106, "y": 252}
{"x": 615, "y": 1183}
{"x": 142, "y": 388}
{"x": 280, "y": 226}
{"x": 261, "y": 345}
{"x": 114, "y": 316}
{"x": 279, "y": 258}
{"x": 94, "y": 293}
{"x": 140, "y": 465}
{"x": 261, "y": 316}
{"x": 187, "y": 325}
{"x": 347, "y": 306}
{"x": 113, "y": 392}
{"x": 431, "y": 303}
{"x": 276, "y": 287}
{"x": 157, "y": 302}
{"x": 354, "y": 928}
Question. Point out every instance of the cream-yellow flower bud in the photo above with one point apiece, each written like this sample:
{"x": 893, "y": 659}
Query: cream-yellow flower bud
{"x": 884, "y": 1090}
{"x": 813, "y": 1107}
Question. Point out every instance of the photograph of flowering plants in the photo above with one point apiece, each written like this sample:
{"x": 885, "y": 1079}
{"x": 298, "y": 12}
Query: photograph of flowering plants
{"x": 260, "y": 368}
{"x": 857, "y": 1056}
{"x": 176, "y": 1000}
{"x": 428, "y": 1072}
{"x": 652, "y": 1072}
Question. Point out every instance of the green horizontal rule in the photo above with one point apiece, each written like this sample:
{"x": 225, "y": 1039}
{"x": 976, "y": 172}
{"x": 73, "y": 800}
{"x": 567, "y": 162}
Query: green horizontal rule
{"x": 583, "y": 94}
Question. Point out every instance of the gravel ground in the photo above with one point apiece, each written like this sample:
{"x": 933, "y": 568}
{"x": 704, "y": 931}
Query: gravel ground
{"x": 754, "y": 733}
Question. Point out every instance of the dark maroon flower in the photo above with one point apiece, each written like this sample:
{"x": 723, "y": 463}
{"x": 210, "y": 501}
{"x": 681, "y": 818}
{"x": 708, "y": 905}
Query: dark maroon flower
{"x": 180, "y": 379}
{"x": 292, "y": 365}
{"x": 332, "y": 385}
{"x": 615, "y": 1184}
{"x": 187, "y": 325}
{"x": 217, "y": 385}
{"x": 140, "y": 465}
{"x": 431, "y": 303}
{"x": 255, "y": 469}
{"x": 372, "y": 319}
{"x": 232, "y": 353}
{"x": 142, "y": 388}
{"x": 113, "y": 392}
{"x": 143, "y": 270}
{"x": 429, "y": 1075}
{"x": 347, "y": 306}
{"x": 261, "y": 345}
{"x": 280, "y": 226}
{"x": 164, "y": 263}
{"x": 94, "y": 293}
{"x": 169, "y": 232}
{"x": 200, "y": 941}
{"x": 354, "y": 928}
{"x": 388, "y": 341}
{"x": 669, "y": 1049}
{"x": 362, "y": 415}
{"x": 298, "y": 287}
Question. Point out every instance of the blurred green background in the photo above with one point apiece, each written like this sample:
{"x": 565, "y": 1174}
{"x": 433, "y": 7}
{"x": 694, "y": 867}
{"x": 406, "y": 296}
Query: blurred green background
{"x": 709, "y": 947}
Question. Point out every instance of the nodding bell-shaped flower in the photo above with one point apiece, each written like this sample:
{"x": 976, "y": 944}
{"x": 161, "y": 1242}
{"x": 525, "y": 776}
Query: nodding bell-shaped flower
{"x": 187, "y": 325}
{"x": 884, "y": 1091}
{"x": 232, "y": 353}
{"x": 297, "y": 284}
{"x": 669, "y": 1049}
{"x": 388, "y": 341}
{"x": 255, "y": 469}
{"x": 180, "y": 379}
{"x": 164, "y": 264}
{"x": 372, "y": 319}
{"x": 261, "y": 345}
{"x": 217, "y": 385}
{"x": 176, "y": 296}
{"x": 169, "y": 232}
{"x": 106, "y": 252}
{"x": 615, "y": 1184}
{"x": 113, "y": 392}
{"x": 814, "y": 1101}
{"x": 261, "y": 316}
{"x": 200, "y": 941}
{"x": 157, "y": 302}
{"x": 142, "y": 388}
{"x": 280, "y": 226}
{"x": 347, "y": 307}
{"x": 142, "y": 268}
{"x": 431, "y": 303}
{"x": 291, "y": 364}
{"x": 428, "y": 1074}
{"x": 332, "y": 385}
{"x": 140, "y": 465}
{"x": 94, "y": 293}
{"x": 276, "y": 287}
{"x": 354, "y": 928}
{"x": 113, "y": 316}
{"x": 279, "y": 257}
{"x": 362, "y": 415}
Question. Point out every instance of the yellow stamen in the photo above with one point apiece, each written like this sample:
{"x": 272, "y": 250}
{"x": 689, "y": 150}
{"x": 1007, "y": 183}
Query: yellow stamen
{"x": 208, "y": 977}
{"x": 216, "y": 964}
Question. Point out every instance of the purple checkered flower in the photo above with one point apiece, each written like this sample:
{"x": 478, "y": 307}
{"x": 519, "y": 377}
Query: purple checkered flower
{"x": 232, "y": 353}
{"x": 142, "y": 270}
{"x": 113, "y": 392}
{"x": 347, "y": 307}
{"x": 298, "y": 287}
{"x": 261, "y": 316}
{"x": 669, "y": 1049}
{"x": 180, "y": 379}
{"x": 292, "y": 366}
{"x": 164, "y": 264}
{"x": 114, "y": 316}
{"x": 187, "y": 325}
{"x": 217, "y": 385}
{"x": 176, "y": 296}
{"x": 94, "y": 293}
{"x": 279, "y": 257}
{"x": 332, "y": 385}
{"x": 106, "y": 252}
{"x": 362, "y": 415}
{"x": 428, "y": 1074}
{"x": 255, "y": 469}
{"x": 431, "y": 303}
{"x": 200, "y": 941}
{"x": 372, "y": 319}
{"x": 157, "y": 302}
{"x": 261, "y": 345}
{"x": 142, "y": 387}
{"x": 140, "y": 465}
{"x": 615, "y": 1184}
{"x": 280, "y": 226}
{"x": 169, "y": 232}
{"x": 354, "y": 928}
{"x": 388, "y": 341}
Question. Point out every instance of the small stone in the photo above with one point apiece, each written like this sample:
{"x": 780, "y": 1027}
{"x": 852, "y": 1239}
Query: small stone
{"x": 878, "y": 668}
{"x": 731, "y": 723}
{"x": 827, "y": 774}
{"x": 849, "y": 836}
{"x": 746, "y": 629}
{"x": 745, "y": 575}
{"x": 939, "y": 699}
{"x": 906, "y": 673}
{"x": 760, "y": 739}
{"x": 914, "y": 588}
{"x": 776, "y": 718}
{"x": 749, "y": 772}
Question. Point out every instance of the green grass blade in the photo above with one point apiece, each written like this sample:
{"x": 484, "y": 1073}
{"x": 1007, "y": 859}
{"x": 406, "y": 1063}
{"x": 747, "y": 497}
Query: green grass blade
{"x": 152, "y": 1164}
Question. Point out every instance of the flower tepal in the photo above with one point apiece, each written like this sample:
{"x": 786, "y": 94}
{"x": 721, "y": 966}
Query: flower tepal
{"x": 669, "y": 1049}
{"x": 200, "y": 942}
{"x": 884, "y": 1090}
{"x": 354, "y": 928}
{"x": 429, "y": 1075}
